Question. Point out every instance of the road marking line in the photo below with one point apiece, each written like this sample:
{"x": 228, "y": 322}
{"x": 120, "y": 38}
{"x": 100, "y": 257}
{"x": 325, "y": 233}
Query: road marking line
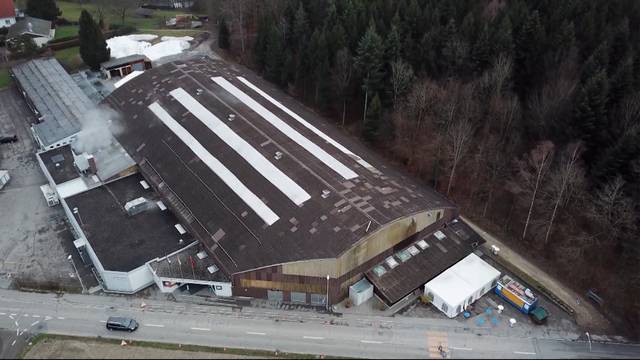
{"x": 18, "y": 332}
{"x": 154, "y": 325}
{"x": 460, "y": 348}
{"x": 15, "y": 322}
{"x": 60, "y": 318}
{"x": 524, "y": 353}
{"x": 35, "y": 316}
{"x": 255, "y": 333}
{"x": 200, "y": 329}
{"x": 371, "y": 342}
{"x": 35, "y": 323}
{"x": 26, "y": 315}
{"x": 14, "y": 342}
{"x": 1, "y": 313}
{"x": 313, "y": 337}
{"x": 22, "y": 332}
{"x": 103, "y": 321}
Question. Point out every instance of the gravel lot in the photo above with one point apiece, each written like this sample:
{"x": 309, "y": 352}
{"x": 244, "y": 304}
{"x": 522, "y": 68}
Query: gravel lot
{"x": 33, "y": 236}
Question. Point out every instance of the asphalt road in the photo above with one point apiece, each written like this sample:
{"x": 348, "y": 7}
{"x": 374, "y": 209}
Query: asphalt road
{"x": 314, "y": 333}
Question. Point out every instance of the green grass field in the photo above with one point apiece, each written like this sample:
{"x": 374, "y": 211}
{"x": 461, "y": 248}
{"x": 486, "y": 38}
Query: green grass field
{"x": 66, "y": 31}
{"x": 70, "y": 58}
{"x": 71, "y": 11}
{"x": 5, "y": 79}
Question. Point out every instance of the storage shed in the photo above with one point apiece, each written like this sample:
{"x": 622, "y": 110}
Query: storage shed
{"x": 360, "y": 292}
{"x": 461, "y": 285}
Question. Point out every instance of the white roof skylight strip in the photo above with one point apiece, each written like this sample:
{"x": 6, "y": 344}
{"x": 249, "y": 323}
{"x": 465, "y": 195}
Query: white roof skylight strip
{"x": 281, "y": 181}
{"x": 293, "y": 134}
{"x": 216, "y": 166}
{"x": 309, "y": 126}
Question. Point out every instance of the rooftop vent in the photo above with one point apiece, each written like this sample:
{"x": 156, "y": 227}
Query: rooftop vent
{"x": 201, "y": 255}
{"x": 325, "y": 193}
{"x": 144, "y": 184}
{"x": 136, "y": 206}
{"x": 212, "y": 269}
{"x": 161, "y": 205}
{"x": 440, "y": 235}
{"x": 231, "y": 117}
{"x": 180, "y": 229}
{"x": 278, "y": 155}
{"x": 199, "y": 91}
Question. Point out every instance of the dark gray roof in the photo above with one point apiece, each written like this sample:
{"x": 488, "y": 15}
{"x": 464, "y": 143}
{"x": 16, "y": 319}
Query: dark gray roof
{"x": 187, "y": 265}
{"x": 30, "y": 25}
{"x": 58, "y": 99}
{"x": 322, "y": 227}
{"x": 122, "y": 242}
{"x": 60, "y": 164}
{"x": 114, "y": 63}
{"x": 440, "y": 254}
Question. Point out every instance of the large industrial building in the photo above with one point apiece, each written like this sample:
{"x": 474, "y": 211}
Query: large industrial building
{"x": 217, "y": 178}
{"x": 290, "y": 208}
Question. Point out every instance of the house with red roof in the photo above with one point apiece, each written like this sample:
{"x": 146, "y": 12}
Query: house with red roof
{"x": 7, "y": 13}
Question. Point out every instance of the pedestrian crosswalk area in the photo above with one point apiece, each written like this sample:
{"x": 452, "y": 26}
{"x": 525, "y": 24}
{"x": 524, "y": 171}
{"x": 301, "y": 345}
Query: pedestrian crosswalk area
{"x": 437, "y": 344}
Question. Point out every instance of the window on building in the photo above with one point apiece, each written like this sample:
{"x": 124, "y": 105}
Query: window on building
{"x": 298, "y": 297}
{"x": 318, "y": 299}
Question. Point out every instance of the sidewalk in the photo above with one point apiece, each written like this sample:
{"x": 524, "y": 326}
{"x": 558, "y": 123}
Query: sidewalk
{"x": 586, "y": 314}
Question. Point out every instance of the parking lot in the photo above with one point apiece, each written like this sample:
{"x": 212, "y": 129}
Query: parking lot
{"x": 34, "y": 241}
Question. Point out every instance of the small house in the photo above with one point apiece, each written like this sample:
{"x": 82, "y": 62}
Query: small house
{"x": 124, "y": 66}
{"x": 38, "y": 29}
{"x": 7, "y": 13}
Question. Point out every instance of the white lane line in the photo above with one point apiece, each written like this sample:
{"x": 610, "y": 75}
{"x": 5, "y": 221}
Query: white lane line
{"x": 18, "y": 332}
{"x": 524, "y": 353}
{"x": 253, "y": 157}
{"x": 154, "y": 325}
{"x": 1, "y": 313}
{"x": 460, "y": 348}
{"x": 35, "y": 316}
{"x": 25, "y": 315}
{"x": 313, "y": 337}
{"x": 15, "y": 322}
{"x": 200, "y": 329}
{"x": 256, "y": 333}
{"x": 60, "y": 318}
{"x": 103, "y": 321}
{"x": 35, "y": 323}
{"x": 306, "y": 124}
{"x": 370, "y": 342}
{"x": 316, "y": 151}
{"x": 237, "y": 186}
{"x": 14, "y": 342}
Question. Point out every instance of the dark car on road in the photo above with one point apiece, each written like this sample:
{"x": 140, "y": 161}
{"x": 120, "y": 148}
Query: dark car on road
{"x": 121, "y": 323}
{"x": 8, "y": 139}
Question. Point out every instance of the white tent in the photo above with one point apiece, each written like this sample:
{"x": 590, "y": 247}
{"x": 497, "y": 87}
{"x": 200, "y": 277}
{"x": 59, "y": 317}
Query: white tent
{"x": 461, "y": 285}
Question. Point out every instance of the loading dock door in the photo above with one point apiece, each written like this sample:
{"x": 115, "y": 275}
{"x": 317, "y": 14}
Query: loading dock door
{"x": 275, "y": 295}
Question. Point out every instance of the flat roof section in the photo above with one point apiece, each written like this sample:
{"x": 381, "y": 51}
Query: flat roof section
{"x": 412, "y": 270}
{"x": 123, "y": 242}
{"x": 60, "y": 164}
{"x": 187, "y": 264}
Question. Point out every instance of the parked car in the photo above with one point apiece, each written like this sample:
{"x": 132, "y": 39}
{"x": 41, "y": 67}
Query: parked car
{"x": 8, "y": 139}
{"x": 121, "y": 323}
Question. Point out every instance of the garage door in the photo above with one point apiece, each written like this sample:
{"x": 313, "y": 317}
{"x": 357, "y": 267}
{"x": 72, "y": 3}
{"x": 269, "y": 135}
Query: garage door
{"x": 298, "y": 297}
{"x": 274, "y": 295}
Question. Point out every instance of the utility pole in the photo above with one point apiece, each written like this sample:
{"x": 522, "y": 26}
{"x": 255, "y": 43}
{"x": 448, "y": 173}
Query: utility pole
{"x": 327, "y": 292}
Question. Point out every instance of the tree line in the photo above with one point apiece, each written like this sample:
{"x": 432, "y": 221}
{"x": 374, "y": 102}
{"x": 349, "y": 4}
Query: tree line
{"x": 527, "y": 113}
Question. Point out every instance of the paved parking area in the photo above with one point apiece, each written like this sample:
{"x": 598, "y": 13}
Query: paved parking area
{"x": 34, "y": 239}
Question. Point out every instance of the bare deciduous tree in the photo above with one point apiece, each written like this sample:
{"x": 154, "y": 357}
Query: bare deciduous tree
{"x": 532, "y": 171}
{"x": 342, "y": 71}
{"x": 563, "y": 182}
{"x": 236, "y": 10}
{"x": 401, "y": 77}
{"x": 459, "y": 138}
{"x": 612, "y": 210}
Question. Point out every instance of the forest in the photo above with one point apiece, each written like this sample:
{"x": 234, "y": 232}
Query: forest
{"x": 525, "y": 113}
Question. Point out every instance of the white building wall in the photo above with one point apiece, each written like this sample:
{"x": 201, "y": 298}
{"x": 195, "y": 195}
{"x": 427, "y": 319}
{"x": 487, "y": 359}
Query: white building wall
{"x": 7, "y": 22}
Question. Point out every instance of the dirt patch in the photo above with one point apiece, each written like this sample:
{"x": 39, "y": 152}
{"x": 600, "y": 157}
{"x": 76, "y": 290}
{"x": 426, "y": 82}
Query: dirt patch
{"x": 82, "y": 349}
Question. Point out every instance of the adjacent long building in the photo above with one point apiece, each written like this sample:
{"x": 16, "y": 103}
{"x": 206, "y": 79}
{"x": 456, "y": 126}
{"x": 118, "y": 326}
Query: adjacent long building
{"x": 288, "y": 207}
